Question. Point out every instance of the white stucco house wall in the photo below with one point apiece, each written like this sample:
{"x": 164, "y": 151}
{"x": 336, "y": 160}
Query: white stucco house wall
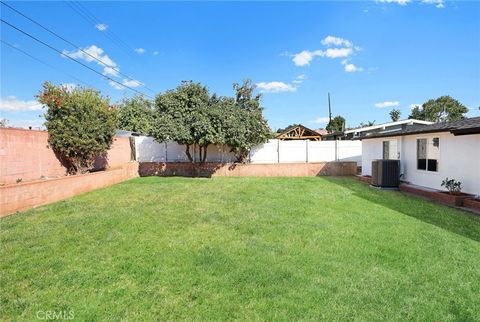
{"x": 430, "y": 153}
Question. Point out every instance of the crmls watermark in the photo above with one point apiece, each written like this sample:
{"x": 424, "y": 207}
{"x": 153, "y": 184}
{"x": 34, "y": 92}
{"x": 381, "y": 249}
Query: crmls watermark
{"x": 55, "y": 315}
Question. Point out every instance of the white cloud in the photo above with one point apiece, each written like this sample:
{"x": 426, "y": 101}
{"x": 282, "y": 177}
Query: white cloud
{"x": 116, "y": 85}
{"x": 101, "y": 26}
{"x": 387, "y": 104}
{"x": 437, "y": 3}
{"x": 302, "y": 76}
{"x": 155, "y": 53}
{"x": 98, "y": 53}
{"x": 412, "y": 106}
{"x": 275, "y": 87}
{"x": 338, "y": 52}
{"x": 132, "y": 83}
{"x": 400, "y": 2}
{"x": 126, "y": 82}
{"x": 351, "y": 68}
{"x": 320, "y": 120}
{"x": 299, "y": 79}
{"x": 305, "y": 57}
{"x": 12, "y": 103}
{"x": 337, "y": 41}
{"x": 140, "y": 50}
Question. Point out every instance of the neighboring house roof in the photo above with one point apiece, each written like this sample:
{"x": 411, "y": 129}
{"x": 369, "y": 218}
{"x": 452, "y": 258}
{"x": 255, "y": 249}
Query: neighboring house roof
{"x": 299, "y": 132}
{"x": 321, "y": 131}
{"x": 385, "y": 125}
{"x": 460, "y": 127}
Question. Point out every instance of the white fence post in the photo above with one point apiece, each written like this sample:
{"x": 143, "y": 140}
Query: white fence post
{"x": 306, "y": 150}
{"x": 278, "y": 151}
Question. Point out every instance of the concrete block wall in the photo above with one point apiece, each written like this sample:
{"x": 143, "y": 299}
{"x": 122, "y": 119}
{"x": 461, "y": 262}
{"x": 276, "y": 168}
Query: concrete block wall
{"x": 248, "y": 170}
{"x": 27, "y": 195}
{"x": 26, "y": 155}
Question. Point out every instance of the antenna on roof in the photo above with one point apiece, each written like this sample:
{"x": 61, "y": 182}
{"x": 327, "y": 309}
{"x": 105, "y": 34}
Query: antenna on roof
{"x": 329, "y": 110}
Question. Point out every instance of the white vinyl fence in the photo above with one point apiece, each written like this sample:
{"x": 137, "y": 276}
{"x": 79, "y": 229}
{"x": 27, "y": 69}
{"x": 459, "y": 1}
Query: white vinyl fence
{"x": 274, "y": 151}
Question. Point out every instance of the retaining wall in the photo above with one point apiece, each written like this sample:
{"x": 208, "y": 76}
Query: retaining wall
{"x": 23, "y": 196}
{"x": 339, "y": 168}
{"x": 26, "y": 155}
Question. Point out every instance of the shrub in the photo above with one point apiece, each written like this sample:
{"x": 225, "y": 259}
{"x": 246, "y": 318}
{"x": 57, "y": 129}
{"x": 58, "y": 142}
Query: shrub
{"x": 80, "y": 123}
{"x": 452, "y": 185}
{"x": 245, "y": 126}
{"x": 136, "y": 114}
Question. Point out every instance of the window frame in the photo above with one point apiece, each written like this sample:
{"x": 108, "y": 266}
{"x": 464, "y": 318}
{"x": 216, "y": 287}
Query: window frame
{"x": 428, "y": 139}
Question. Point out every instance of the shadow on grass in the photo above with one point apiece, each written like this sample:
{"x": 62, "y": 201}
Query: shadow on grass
{"x": 179, "y": 169}
{"x": 454, "y": 220}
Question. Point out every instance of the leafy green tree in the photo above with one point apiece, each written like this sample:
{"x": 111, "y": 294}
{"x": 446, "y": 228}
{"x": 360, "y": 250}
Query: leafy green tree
{"x": 4, "y": 122}
{"x": 245, "y": 126}
{"x": 80, "y": 122}
{"x": 395, "y": 115}
{"x": 417, "y": 113}
{"x": 337, "y": 124}
{"x": 189, "y": 116}
{"x": 444, "y": 108}
{"x": 136, "y": 114}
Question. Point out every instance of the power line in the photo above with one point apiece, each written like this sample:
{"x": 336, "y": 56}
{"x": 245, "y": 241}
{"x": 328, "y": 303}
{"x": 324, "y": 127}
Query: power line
{"x": 90, "y": 19}
{"x": 45, "y": 63}
{"x": 78, "y": 62}
{"x": 72, "y": 44}
{"x": 108, "y": 31}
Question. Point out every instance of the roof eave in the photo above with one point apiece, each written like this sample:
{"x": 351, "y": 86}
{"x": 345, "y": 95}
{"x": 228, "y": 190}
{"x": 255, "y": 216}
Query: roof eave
{"x": 468, "y": 131}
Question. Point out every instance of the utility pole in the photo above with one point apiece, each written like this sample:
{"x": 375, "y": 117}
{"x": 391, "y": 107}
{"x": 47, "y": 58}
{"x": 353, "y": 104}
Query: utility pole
{"x": 329, "y": 110}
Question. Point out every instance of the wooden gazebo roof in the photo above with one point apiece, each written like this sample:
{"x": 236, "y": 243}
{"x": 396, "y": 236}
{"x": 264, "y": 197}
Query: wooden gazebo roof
{"x": 299, "y": 132}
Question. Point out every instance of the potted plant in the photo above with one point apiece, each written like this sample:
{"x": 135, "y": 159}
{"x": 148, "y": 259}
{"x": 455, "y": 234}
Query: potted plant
{"x": 454, "y": 196}
{"x": 453, "y": 186}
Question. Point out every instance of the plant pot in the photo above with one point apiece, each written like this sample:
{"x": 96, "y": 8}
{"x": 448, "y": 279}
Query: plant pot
{"x": 472, "y": 203}
{"x": 440, "y": 196}
{"x": 452, "y": 199}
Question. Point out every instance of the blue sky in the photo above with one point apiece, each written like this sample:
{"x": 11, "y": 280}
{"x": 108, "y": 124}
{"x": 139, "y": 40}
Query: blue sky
{"x": 371, "y": 56}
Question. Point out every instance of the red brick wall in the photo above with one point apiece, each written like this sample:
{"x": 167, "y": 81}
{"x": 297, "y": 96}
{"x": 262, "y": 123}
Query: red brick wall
{"x": 26, "y": 155}
{"x": 248, "y": 170}
{"x": 23, "y": 196}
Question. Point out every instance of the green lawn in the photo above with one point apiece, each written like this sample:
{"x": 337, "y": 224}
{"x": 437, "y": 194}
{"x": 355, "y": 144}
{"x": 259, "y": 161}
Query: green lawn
{"x": 242, "y": 248}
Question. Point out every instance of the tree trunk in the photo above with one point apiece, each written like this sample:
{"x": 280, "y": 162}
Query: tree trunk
{"x": 204, "y": 154}
{"x": 187, "y": 152}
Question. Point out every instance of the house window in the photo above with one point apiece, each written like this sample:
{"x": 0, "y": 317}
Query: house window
{"x": 428, "y": 154}
{"x": 390, "y": 151}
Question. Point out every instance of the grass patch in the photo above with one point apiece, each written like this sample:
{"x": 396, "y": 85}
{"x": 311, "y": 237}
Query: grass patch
{"x": 242, "y": 248}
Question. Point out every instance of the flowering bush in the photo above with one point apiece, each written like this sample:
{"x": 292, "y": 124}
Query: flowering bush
{"x": 81, "y": 124}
